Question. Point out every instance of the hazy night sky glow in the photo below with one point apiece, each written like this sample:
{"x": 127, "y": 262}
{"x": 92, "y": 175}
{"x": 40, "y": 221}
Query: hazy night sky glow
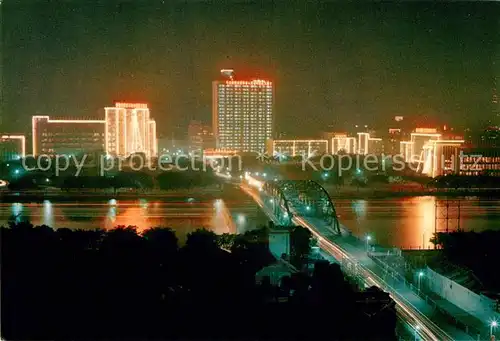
{"x": 332, "y": 63}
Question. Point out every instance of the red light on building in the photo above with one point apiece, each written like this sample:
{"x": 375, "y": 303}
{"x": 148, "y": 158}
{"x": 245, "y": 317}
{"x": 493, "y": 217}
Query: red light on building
{"x": 127, "y": 105}
{"x": 253, "y": 82}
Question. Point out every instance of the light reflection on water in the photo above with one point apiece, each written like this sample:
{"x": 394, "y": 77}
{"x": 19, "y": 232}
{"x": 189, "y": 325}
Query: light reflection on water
{"x": 411, "y": 222}
{"x": 183, "y": 217}
{"x": 402, "y": 222}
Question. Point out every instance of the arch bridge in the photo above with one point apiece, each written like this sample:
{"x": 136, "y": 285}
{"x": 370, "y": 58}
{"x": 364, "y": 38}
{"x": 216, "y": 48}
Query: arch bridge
{"x": 304, "y": 198}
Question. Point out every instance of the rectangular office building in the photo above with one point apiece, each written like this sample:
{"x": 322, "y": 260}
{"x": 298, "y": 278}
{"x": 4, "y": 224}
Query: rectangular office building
{"x": 242, "y": 113}
{"x": 68, "y": 137}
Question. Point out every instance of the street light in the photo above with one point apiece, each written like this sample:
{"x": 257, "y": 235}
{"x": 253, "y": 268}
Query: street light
{"x": 417, "y": 328}
{"x": 368, "y": 238}
{"x": 493, "y": 325}
{"x": 420, "y": 275}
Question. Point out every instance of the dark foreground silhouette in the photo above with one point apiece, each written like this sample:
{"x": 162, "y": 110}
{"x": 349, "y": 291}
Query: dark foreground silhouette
{"x": 118, "y": 284}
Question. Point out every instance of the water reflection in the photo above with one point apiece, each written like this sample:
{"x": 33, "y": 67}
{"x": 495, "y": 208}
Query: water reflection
{"x": 359, "y": 208}
{"x": 16, "y": 212}
{"x": 222, "y": 220}
{"x": 406, "y": 223}
{"x": 411, "y": 222}
{"x": 48, "y": 214}
{"x": 427, "y": 223}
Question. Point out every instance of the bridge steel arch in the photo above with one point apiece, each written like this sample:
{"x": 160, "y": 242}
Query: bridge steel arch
{"x": 309, "y": 194}
{"x": 279, "y": 203}
{"x": 332, "y": 218}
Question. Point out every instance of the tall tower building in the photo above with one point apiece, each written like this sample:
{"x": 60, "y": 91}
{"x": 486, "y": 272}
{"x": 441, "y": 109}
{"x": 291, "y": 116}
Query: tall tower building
{"x": 242, "y": 113}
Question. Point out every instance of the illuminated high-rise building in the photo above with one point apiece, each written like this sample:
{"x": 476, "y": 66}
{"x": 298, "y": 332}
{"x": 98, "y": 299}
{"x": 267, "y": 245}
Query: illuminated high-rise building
{"x": 129, "y": 130}
{"x": 242, "y": 113}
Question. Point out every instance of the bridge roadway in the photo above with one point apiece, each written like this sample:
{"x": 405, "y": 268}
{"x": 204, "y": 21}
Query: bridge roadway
{"x": 411, "y": 308}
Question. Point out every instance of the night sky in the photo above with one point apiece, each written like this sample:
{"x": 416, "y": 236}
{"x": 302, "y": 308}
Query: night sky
{"x": 332, "y": 63}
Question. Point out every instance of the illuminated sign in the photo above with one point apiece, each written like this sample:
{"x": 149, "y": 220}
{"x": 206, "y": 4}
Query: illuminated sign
{"x": 131, "y": 105}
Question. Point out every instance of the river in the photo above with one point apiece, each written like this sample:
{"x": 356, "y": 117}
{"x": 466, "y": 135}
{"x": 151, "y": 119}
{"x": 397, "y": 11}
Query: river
{"x": 400, "y": 222}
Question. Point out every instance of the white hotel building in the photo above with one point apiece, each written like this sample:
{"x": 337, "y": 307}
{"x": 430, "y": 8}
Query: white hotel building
{"x": 242, "y": 113}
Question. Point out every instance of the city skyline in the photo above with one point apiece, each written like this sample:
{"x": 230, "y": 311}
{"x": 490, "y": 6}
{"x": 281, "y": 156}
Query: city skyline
{"x": 332, "y": 64}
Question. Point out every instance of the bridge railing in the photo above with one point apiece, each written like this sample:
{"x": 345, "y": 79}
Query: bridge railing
{"x": 397, "y": 276}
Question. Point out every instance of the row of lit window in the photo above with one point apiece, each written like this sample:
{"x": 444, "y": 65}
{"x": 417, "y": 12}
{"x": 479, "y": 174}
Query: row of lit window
{"x": 247, "y": 125}
{"x": 245, "y": 87}
{"x": 251, "y": 106}
{"x": 487, "y": 166}
{"x": 482, "y": 159}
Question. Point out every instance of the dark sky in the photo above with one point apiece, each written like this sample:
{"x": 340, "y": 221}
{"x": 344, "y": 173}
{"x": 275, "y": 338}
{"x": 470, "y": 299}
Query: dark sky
{"x": 332, "y": 63}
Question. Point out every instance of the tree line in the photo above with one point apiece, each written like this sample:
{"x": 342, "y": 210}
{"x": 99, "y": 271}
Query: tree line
{"x": 121, "y": 284}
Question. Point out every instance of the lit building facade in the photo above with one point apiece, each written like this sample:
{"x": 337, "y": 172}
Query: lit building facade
{"x": 218, "y": 153}
{"x": 69, "y": 137}
{"x": 419, "y": 139}
{"x": 480, "y": 161}
{"x": 129, "y": 129}
{"x": 12, "y": 147}
{"x": 343, "y": 143}
{"x": 294, "y": 148}
{"x": 363, "y": 143}
{"x": 242, "y": 113}
{"x": 441, "y": 157}
{"x": 369, "y": 145}
{"x": 405, "y": 150}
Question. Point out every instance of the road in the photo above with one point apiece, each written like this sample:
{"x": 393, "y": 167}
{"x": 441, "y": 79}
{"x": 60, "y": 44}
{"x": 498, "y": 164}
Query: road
{"x": 410, "y": 307}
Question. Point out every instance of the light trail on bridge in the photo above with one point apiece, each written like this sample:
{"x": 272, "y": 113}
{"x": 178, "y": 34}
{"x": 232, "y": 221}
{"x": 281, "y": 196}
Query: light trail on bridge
{"x": 427, "y": 329}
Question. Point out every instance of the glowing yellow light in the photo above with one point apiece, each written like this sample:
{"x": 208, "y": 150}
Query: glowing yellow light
{"x": 282, "y": 144}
